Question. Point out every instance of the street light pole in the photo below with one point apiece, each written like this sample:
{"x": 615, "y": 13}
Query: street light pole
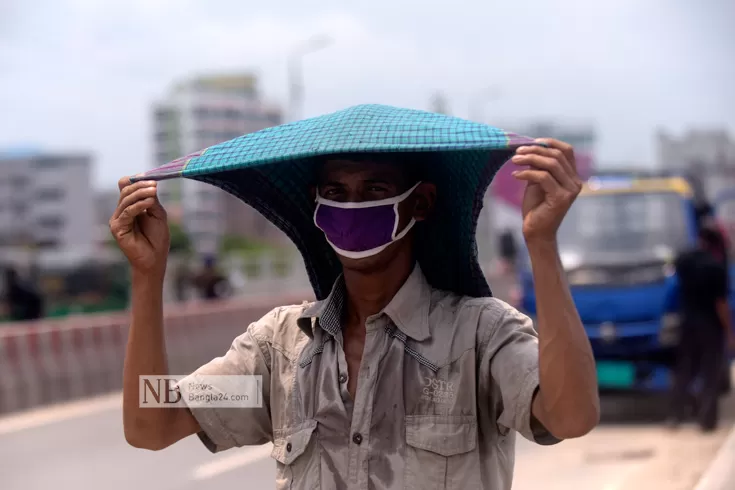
{"x": 296, "y": 74}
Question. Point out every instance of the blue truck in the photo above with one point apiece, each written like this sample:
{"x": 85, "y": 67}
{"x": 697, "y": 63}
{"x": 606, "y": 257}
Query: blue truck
{"x": 618, "y": 244}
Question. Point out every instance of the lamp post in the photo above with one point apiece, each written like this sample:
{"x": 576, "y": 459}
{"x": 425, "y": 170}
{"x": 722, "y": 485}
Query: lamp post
{"x": 296, "y": 75}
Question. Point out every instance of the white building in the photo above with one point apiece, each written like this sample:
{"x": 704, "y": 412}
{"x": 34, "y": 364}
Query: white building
{"x": 196, "y": 114}
{"x": 707, "y": 157}
{"x": 47, "y": 203}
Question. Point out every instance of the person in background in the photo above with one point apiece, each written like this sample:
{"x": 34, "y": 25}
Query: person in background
{"x": 705, "y": 330}
{"x": 706, "y": 219}
{"x": 508, "y": 251}
{"x": 21, "y": 302}
{"x": 212, "y": 285}
{"x": 182, "y": 281}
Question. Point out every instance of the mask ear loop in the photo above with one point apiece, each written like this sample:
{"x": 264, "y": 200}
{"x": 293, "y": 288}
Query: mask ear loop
{"x": 397, "y": 219}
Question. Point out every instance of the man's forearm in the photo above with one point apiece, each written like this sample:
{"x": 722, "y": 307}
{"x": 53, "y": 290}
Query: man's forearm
{"x": 567, "y": 402}
{"x": 145, "y": 355}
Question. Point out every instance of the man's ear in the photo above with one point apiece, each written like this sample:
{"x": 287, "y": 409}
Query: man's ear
{"x": 424, "y": 199}
{"x": 312, "y": 195}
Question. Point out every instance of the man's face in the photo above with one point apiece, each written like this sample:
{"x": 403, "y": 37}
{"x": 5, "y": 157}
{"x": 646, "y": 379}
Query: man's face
{"x": 348, "y": 181}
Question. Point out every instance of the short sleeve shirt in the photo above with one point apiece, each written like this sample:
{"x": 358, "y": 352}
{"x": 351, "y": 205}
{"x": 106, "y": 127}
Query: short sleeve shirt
{"x": 444, "y": 385}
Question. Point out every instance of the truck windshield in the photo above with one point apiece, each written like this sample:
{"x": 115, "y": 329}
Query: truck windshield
{"x": 629, "y": 225}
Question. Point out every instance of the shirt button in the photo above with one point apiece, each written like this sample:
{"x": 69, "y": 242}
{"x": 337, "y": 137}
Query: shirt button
{"x": 342, "y": 378}
{"x": 288, "y": 447}
{"x": 357, "y": 438}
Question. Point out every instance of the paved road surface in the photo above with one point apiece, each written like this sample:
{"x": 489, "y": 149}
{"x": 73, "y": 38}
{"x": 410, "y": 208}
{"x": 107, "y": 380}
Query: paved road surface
{"x": 81, "y": 447}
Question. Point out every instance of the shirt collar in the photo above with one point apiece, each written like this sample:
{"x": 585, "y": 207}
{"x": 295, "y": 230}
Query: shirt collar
{"x": 409, "y": 308}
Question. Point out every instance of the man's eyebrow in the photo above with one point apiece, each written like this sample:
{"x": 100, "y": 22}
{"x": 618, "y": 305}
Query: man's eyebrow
{"x": 332, "y": 183}
{"x": 379, "y": 180}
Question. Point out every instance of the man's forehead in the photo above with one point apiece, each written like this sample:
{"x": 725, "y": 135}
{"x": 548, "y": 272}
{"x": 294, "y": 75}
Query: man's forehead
{"x": 340, "y": 167}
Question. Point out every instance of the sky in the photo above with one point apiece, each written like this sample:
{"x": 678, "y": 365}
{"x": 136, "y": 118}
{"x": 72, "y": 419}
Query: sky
{"x": 83, "y": 74}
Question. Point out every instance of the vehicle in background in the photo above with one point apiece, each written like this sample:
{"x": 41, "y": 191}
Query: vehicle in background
{"x": 618, "y": 244}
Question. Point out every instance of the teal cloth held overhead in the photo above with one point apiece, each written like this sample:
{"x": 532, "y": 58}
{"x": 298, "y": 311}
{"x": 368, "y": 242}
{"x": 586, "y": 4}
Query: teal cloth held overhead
{"x": 272, "y": 170}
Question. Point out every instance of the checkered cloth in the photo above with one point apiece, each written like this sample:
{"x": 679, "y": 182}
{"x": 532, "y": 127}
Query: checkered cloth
{"x": 273, "y": 169}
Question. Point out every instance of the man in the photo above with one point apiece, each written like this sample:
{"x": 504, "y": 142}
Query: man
{"x": 706, "y": 330}
{"x": 212, "y": 285}
{"x": 508, "y": 251}
{"x": 22, "y": 302}
{"x": 706, "y": 219}
{"x": 388, "y": 383}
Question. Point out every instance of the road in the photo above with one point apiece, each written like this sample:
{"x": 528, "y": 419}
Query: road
{"x": 81, "y": 446}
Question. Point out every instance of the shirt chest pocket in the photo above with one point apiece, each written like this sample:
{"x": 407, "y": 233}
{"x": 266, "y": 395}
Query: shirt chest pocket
{"x": 296, "y": 451}
{"x": 441, "y": 452}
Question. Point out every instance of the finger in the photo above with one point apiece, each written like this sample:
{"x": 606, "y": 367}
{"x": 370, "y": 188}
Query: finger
{"x": 565, "y": 148}
{"x": 554, "y": 153}
{"x": 540, "y": 177}
{"x": 124, "y": 222}
{"x": 129, "y": 200}
{"x": 548, "y": 164}
{"x": 123, "y": 183}
{"x": 129, "y": 189}
{"x": 157, "y": 210}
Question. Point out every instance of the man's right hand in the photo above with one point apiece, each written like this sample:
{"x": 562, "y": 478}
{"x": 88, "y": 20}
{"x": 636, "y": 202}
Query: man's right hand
{"x": 140, "y": 227}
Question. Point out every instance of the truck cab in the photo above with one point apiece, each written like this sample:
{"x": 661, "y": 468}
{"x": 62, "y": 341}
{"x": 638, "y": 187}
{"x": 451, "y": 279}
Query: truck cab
{"x": 618, "y": 244}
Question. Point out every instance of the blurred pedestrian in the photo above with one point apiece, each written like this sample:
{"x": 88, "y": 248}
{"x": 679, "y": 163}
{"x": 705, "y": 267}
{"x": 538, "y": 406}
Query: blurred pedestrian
{"x": 182, "y": 280}
{"x": 705, "y": 331}
{"x": 21, "y": 301}
{"x": 508, "y": 251}
{"x": 720, "y": 246}
{"x": 406, "y": 351}
{"x": 210, "y": 282}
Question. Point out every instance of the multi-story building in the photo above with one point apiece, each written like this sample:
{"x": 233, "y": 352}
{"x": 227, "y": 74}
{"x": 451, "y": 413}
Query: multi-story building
{"x": 706, "y": 157}
{"x": 47, "y": 203}
{"x": 196, "y": 114}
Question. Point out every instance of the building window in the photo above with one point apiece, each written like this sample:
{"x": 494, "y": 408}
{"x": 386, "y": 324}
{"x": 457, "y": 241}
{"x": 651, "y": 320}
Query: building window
{"x": 51, "y": 222}
{"x": 18, "y": 208}
{"x": 19, "y": 181}
{"x": 47, "y": 243}
{"x": 51, "y": 194}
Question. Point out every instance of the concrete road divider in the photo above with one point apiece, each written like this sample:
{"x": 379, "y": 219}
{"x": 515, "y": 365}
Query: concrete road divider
{"x": 52, "y": 361}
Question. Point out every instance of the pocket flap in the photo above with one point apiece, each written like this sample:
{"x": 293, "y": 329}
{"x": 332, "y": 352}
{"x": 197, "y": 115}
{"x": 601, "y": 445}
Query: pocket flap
{"x": 291, "y": 443}
{"x": 446, "y": 435}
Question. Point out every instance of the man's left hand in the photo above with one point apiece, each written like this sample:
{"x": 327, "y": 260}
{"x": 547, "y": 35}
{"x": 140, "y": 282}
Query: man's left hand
{"x": 553, "y": 185}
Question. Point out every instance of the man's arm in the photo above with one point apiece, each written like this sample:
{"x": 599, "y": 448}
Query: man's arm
{"x": 149, "y": 428}
{"x": 567, "y": 403}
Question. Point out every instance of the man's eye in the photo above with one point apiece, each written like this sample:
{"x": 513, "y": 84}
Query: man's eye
{"x": 377, "y": 188}
{"x": 330, "y": 192}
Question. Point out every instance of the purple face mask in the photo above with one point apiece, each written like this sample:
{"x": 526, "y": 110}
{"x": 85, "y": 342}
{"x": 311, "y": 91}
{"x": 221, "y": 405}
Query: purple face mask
{"x": 361, "y": 229}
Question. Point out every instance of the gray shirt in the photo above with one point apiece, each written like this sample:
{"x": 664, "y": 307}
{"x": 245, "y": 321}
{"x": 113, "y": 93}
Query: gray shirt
{"x": 443, "y": 384}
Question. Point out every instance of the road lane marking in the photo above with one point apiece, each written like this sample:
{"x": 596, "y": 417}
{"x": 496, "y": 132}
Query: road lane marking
{"x": 241, "y": 458}
{"x": 39, "y": 417}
